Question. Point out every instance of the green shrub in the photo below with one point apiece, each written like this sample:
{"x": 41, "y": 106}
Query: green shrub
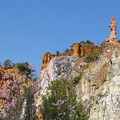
{"x": 89, "y": 42}
{"x": 67, "y": 50}
{"x": 101, "y": 48}
{"x": 102, "y": 44}
{"x": 60, "y": 102}
{"x": 76, "y": 79}
{"x": 7, "y": 63}
{"x": 22, "y": 66}
{"x": 82, "y": 42}
{"x": 92, "y": 57}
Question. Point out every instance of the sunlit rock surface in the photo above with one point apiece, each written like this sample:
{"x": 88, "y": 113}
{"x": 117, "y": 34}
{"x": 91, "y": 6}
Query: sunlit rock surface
{"x": 55, "y": 70}
{"x": 99, "y": 86}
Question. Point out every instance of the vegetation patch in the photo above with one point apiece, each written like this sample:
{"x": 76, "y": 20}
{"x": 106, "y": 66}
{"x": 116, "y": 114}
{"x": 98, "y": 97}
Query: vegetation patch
{"x": 77, "y": 79}
{"x": 60, "y": 103}
{"x": 92, "y": 57}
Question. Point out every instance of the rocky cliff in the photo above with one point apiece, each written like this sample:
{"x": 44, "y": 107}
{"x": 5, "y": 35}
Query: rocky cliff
{"x": 99, "y": 86}
{"x": 56, "y": 69}
{"x": 79, "y": 50}
{"x": 8, "y": 75}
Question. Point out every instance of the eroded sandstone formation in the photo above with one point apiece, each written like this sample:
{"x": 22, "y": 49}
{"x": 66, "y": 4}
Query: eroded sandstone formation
{"x": 46, "y": 59}
{"x": 76, "y": 49}
{"x": 79, "y": 50}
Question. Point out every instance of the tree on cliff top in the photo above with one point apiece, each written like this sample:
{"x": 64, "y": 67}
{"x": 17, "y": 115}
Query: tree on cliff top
{"x": 7, "y": 63}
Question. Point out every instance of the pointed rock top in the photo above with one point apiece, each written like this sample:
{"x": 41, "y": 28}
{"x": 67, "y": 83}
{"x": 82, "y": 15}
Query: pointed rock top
{"x": 113, "y": 36}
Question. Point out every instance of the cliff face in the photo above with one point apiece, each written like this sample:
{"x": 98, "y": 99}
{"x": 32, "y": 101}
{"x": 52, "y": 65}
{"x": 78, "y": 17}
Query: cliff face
{"x": 7, "y": 76}
{"x": 56, "y": 69}
{"x": 99, "y": 86}
{"x": 79, "y": 50}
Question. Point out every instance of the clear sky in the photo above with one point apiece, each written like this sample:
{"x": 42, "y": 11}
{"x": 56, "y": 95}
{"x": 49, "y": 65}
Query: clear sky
{"x": 29, "y": 28}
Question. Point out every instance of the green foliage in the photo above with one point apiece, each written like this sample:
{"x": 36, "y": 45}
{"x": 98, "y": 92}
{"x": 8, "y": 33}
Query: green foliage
{"x": 82, "y": 42}
{"x": 119, "y": 41}
{"x": 89, "y": 42}
{"x": 102, "y": 44}
{"x": 92, "y": 57}
{"x": 76, "y": 79}
{"x": 22, "y": 66}
{"x": 57, "y": 52}
{"x": 7, "y": 63}
{"x": 71, "y": 47}
{"x": 101, "y": 48}
{"x": 30, "y": 108}
{"x": 59, "y": 103}
{"x": 67, "y": 50}
{"x": 13, "y": 65}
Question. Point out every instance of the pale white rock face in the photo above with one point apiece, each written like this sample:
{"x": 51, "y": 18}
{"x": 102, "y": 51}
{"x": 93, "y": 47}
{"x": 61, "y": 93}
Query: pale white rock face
{"x": 107, "y": 106}
{"x": 102, "y": 99}
{"x": 55, "y": 70}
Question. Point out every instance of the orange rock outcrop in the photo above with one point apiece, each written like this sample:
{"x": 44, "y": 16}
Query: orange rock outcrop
{"x": 46, "y": 59}
{"x": 79, "y": 50}
{"x": 76, "y": 49}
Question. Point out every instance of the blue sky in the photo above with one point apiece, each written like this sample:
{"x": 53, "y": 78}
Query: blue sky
{"x": 29, "y": 28}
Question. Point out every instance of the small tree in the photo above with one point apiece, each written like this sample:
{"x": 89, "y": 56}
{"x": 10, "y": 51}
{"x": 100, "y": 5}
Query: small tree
{"x": 7, "y": 63}
{"x": 61, "y": 104}
{"x": 102, "y": 44}
{"x": 67, "y": 50}
{"x": 89, "y": 42}
{"x": 22, "y": 66}
{"x": 71, "y": 47}
{"x": 13, "y": 65}
{"x": 57, "y": 52}
{"x": 82, "y": 42}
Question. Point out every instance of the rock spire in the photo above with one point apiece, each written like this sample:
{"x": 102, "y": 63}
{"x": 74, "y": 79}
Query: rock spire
{"x": 113, "y": 36}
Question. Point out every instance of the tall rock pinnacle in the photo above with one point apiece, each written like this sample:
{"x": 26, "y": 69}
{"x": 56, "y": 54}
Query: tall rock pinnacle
{"x": 113, "y": 36}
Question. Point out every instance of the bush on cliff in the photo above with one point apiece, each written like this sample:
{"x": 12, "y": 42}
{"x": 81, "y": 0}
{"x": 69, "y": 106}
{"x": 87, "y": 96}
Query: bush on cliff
{"x": 22, "y": 66}
{"x": 60, "y": 103}
{"x": 7, "y": 63}
{"x": 92, "y": 57}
